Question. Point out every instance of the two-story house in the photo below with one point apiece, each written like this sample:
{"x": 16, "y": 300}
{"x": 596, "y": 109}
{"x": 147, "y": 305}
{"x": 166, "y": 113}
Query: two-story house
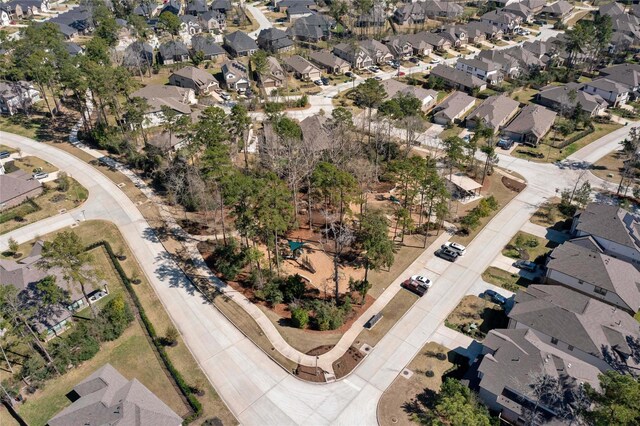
{"x": 483, "y": 69}
{"x": 358, "y": 57}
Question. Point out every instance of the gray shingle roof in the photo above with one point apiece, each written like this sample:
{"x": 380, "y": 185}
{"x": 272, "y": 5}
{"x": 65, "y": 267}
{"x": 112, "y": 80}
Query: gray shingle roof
{"x": 494, "y": 110}
{"x": 532, "y": 119}
{"x": 15, "y": 184}
{"x": 206, "y": 45}
{"x": 460, "y": 77}
{"x": 563, "y": 95}
{"x": 457, "y": 102}
{"x": 240, "y": 42}
{"x": 610, "y": 223}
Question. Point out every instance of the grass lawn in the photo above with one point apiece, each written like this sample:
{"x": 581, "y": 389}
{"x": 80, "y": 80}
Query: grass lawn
{"x": 552, "y": 154}
{"x": 30, "y": 163}
{"x": 549, "y": 216}
{"x": 609, "y": 167}
{"x": 455, "y": 130}
{"x": 637, "y": 316}
{"x": 578, "y": 16}
{"x": 504, "y": 279}
{"x": 485, "y": 314}
{"x": 531, "y": 246}
{"x": 51, "y": 202}
{"x": 524, "y": 95}
{"x": 391, "y": 313}
{"x": 16, "y": 124}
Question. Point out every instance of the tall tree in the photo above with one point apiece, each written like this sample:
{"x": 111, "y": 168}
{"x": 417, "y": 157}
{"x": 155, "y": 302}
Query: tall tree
{"x": 377, "y": 247}
{"x": 240, "y": 125}
{"x": 618, "y": 401}
{"x": 369, "y": 95}
{"x": 169, "y": 23}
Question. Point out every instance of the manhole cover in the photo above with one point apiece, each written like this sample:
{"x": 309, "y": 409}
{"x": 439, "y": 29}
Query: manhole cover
{"x": 120, "y": 185}
{"x": 406, "y": 373}
{"x": 394, "y": 420}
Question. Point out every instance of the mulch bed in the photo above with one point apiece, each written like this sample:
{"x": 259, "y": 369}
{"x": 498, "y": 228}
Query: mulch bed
{"x": 347, "y": 362}
{"x": 513, "y": 185}
{"x": 310, "y": 374}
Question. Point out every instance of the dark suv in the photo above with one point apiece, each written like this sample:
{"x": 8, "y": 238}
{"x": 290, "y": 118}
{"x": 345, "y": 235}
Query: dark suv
{"x": 447, "y": 254}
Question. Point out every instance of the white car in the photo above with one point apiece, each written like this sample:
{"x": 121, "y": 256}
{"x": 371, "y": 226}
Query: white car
{"x": 422, "y": 280}
{"x": 458, "y": 248}
{"x": 435, "y": 61}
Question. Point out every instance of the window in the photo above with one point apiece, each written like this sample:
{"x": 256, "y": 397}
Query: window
{"x": 600, "y": 290}
{"x": 554, "y": 340}
{"x": 570, "y": 347}
{"x": 580, "y": 282}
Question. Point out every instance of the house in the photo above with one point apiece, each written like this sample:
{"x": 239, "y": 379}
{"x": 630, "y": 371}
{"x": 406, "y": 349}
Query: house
{"x": 442, "y": 9}
{"x": 22, "y": 9}
{"x": 395, "y": 88}
{"x": 106, "y": 397}
{"x": 235, "y": 76}
{"x": 239, "y": 44}
{"x": 312, "y": 28}
{"x": 457, "y": 79}
{"x": 190, "y": 24}
{"x": 316, "y": 132}
{"x": 17, "y": 187}
{"x": 525, "y": 59}
{"x": 172, "y": 6}
{"x": 614, "y": 229}
{"x": 196, "y": 7}
{"x": 73, "y": 49}
{"x": 329, "y": 62}
{"x": 172, "y": 52}
{"x": 558, "y": 10}
{"x": 5, "y": 15}
{"x": 202, "y": 82}
{"x": 410, "y": 14}
{"x": 274, "y": 75}
{"x": 419, "y": 45}
{"x": 17, "y": 96}
{"x": 612, "y": 9}
{"x": 354, "y": 54}
{"x": 531, "y": 125}
{"x": 399, "y": 46}
{"x": 222, "y": 6}
{"x": 565, "y": 99}
{"x": 483, "y": 69}
{"x": 213, "y": 21}
{"x": 453, "y": 108}
{"x": 494, "y": 112}
{"x": 378, "y": 52}
{"x": 614, "y": 93}
{"x": 582, "y": 265}
{"x": 376, "y": 17}
{"x": 179, "y": 99}
{"x": 535, "y": 6}
{"x": 490, "y": 31}
{"x": 283, "y": 5}
{"x": 502, "y": 19}
{"x": 455, "y": 33}
{"x": 439, "y": 41}
{"x": 275, "y": 40}
{"x": 512, "y": 359}
{"x": 138, "y": 56}
{"x": 26, "y": 273}
{"x": 520, "y": 10}
{"x": 625, "y": 74}
{"x": 211, "y": 51}
{"x": 576, "y": 324}
{"x": 302, "y": 69}
{"x": 509, "y": 66}
{"x": 80, "y": 19}
{"x": 298, "y": 11}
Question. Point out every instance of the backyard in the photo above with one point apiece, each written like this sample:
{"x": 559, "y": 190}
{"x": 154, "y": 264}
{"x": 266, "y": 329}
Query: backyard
{"x": 507, "y": 280}
{"x": 550, "y": 216}
{"x": 475, "y": 317}
{"x": 528, "y": 247}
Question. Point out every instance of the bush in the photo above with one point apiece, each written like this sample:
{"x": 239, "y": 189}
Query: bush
{"x": 228, "y": 260}
{"x": 328, "y": 316}
{"x": 114, "y": 318}
{"x": 293, "y": 287}
{"x": 299, "y": 317}
{"x": 63, "y": 182}
{"x": 270, "y": 293}
{"x": 441, "y": 356}
{"x": 429, "y": 373}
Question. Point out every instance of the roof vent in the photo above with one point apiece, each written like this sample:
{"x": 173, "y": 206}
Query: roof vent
{"x": 569, "y": 365}
{"x": 517, "y": 359}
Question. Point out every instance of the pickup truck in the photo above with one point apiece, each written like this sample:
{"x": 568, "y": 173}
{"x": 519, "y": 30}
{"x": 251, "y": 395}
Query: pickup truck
{"x": 417, "y": 286}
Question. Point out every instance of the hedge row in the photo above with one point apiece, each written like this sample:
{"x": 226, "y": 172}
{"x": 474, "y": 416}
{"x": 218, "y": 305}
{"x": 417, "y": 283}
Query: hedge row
{"x": 196, "y": 406}
{"x": 574, "y": 138}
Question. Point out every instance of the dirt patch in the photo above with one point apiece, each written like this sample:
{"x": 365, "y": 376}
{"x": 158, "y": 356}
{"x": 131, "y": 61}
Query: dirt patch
{"x": 474, "y": 310}
{"x": 513, "y": 185}
{"x": 313, "y": 374}
{"x": 347, "y": 362}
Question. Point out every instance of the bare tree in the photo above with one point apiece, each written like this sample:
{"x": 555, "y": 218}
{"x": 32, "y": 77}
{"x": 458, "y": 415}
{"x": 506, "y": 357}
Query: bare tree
{"x": 343, "y": 237}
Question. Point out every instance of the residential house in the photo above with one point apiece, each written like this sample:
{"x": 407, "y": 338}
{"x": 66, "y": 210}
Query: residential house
{"x": 457, "y": 79}
{"x": 329, "y": 62}
{"x": 302, "y": 69}
{"x": 576, "y": 324}
{"x": 144, "y": 9}
{"x": 275, "y": 40}
{"x": 502, "y": 19}
{"x": 273, "y": 77}
{"x": 410, "y": 14}
{"x": 440, "y": 41}
{"x": 612, "y": 9}
{"x": 453, "y": 108}
{"x": 138, "y": 56}
{"x": 355, "y": 55}
{"x": 312, "y": 28}
{"x": 535, "y": 6}
{"x": 457, "y": 34}
{"x": 73, "y": 49}
{"x": 201, "y": 81}
{"x": 222, "y": 6}
{"x": 442, "y": 9}
{"x": 482, "y": 68}
{"x": 558, "y": 10}
{"x": 172, "y": 6}
{"x": 22, "y": 9}
{"x": 526, "y": 59}
{"x": 107, "y": 397}
{"x": 514, "y": 359}
{"x": 531, "y": 125}
{"x": 582, "y": 265}
{"x": 211, "y": 51}
{"x": 239, "y": 44}
{"x": 5, "y": 15}
{"x": 399, "y": 46}
{"x": 395, "y": 88}
{"x": 615, "y": 230}
{"x": 419, "y": 45}
{"x": 25, "y": 274}
{"x": 283, "y": 5}
{"x": 376, "y": 17}
{"x": 190, "y": 24}
{"x": 235, "y": 76}
{"x": 68, "y": 33}
{"x": 565, "y": 99}
{"x": 520, "y": 10}
{"x": 490, "y": 31}
{"x": 494, "y": 112}
{"x": 80, "y": 19}
{"x": 626, "y": 74}
{"x": 158, "y": 96}
{"x": 16, "y": 188}
{"x": 378, "y": 52}
{"x": 17, "y": 96}
{"x": 614, "y": 93}
{"x": 213, "y": 21}
{"x": 316, "y": 132}
{"x": 509, "y": 66}
{"x": 196, "y": 7}
{"x": 173, "y": 51}
{"x": 298, "y": 11}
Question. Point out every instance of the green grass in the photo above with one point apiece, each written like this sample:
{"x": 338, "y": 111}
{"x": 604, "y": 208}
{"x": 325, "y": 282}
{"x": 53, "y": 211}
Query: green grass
{"x": 21, "y": 210}
{"x": 533, "y": 245}
{"x": 524, "y": 95}
{"x": 19, "y": 125}
{"x": 455, "y": 130}
{"x": 504, "y": 279}
{"x": 637, "y": 316}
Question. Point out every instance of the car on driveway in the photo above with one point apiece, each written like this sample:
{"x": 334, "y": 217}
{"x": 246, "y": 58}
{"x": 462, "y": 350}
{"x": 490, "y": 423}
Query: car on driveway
{"x": 496, "y": 297}
{"x": 458, "y": 248}
{"x": 374, "y": 69}
{"x": 435, "y": 61}
{"x": 318, "y": 82}
{"x": 325, "y": 81}
{"x": 350, "y": 74}
{"x": 414, "y": 60}
{"x": 447, "y": 254}
{"x": 4, "y": 154}
{"x": 401, "y": 73}
{"x": 526, "y": 265}
{"x": 421, "y": 279}
{"x": 505, "y": 143}
{"x": 377, "y": 77}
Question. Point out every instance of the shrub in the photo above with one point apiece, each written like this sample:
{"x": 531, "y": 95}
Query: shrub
{"x": 292, "y": 287}
{"x": 429, "y": 373}
{"x": 63, "y": 183}
{"x": 328, "y": 316}
{"x": 299, "y": 317}
{"x": 114, "y": 318}
{"x": 171, "y": 336}
{"x": 229, "y": 259}
{"x": 441, "y": 356}
{"x": 270, "y": 293}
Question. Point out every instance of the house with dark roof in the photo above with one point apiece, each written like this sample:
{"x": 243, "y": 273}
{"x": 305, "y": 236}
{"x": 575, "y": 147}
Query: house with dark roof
{"x": 222, "y": 6}
{"x": 457, "y": 79}
{"x": 410, "y": 14}
{"x": 201, "y": 81}
{"x": 615, "y": 230}
{"x": 302, "y": 69}
{"x": 531, "y": 125}
{"x": 378, "y": 52}
{"x": 312, "y": 28}
{"x": 213, "y": 21}
{"x": 394, "y": 88}
{"x": 298, "y": 11}
{"x": 173, "y": 51}
{"x": 16, "y": 188}
{"x": 582, "y": 265}
{"x": 592, "y": 331}
{"x": 283, "y": 5}
{"x": 329, "y": 62}
{"x": 565, "y": 99}
{"x": 211, "y": 50}
{"x": 73, "y": 49}
{"x": 273, "y": 76}
{"x": 612, "y": 9}
{"x": 138, "y": 56}
{"x": 22, "y": 9}
{"x": 80, "y": 19}
{"x": 195, "y": 7}
{"x": 235, "y": 75}
{"x": 274, "y": 40}
{"x": 613, "y": 92}
{"x": 172, "y": 6}
{"x": 494, "y": 112}
{"x": 520, "y": 10}
{"x": 376, "y": 17}
{"x": 442, "y": 9}
{"x": 190, "y": 24}
{"x": 625, "y": 74}
{"x": 502, "y": 19}
{"x": 453, "y": 108}
{"x": 490, "y": 31}
{"x": 239, "y": 44}
{"x": 106, "y": 397}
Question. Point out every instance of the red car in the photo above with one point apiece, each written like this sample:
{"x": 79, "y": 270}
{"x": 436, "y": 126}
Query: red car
{"x": 401, "y": 73}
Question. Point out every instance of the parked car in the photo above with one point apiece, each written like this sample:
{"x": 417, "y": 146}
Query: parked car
{"x": 415, "y": 287}
{"x": 350, "y": 74}
{"x": 395, "y": 66}
{"x": 526, "y": 265}
{"x": 447, "y": 254}
{"x": 435, "y": 61}
{"x": 4, "y": 154}
{"x": 225, "y": 96}
{"x": 401, "y": 73}
{"x": 374, "y": 69}
{"x": 414, "y": 60}
{"x": 459, "y": 248}
{"x": 377, "y": 77}
{"x": 505, "y": 143}
{"x": 40, "y": 175}
{"x": 325, "y": 81}
{"x": 318, "y": 82}
{"x": 540, "y": 22}
{"x": 496, "y": 297}
{"x": 421, "y": 279}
